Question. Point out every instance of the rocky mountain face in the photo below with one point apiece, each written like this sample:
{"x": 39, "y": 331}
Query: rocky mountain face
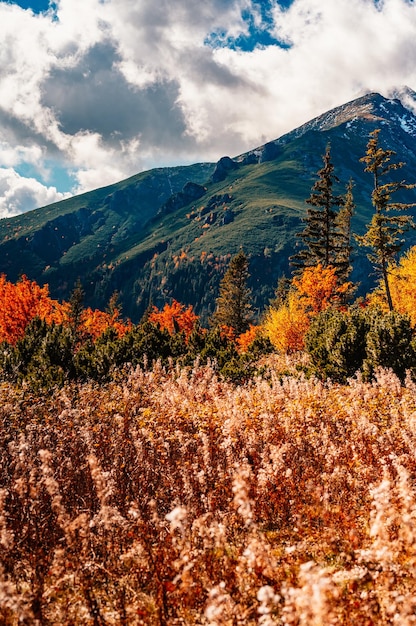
{"x": 170, "y": 232}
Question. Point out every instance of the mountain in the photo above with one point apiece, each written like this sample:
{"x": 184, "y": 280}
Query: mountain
{"x": 170, "y": 232}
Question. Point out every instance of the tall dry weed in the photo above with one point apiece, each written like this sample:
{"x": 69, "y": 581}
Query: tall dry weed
{"x": 174, "y": 498}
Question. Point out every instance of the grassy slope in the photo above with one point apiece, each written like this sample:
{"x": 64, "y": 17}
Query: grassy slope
{"x": 80, "y": 232}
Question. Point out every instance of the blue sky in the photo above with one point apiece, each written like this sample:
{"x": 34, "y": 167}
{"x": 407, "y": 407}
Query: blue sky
{"x": 36, "y": 5}
{"x": 93, "y": 91}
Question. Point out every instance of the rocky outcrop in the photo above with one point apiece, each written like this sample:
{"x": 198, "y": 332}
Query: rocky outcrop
{"x": 223, "y": 167}
{"x": 190, "y": 193}
{"x": 269, "y": 152}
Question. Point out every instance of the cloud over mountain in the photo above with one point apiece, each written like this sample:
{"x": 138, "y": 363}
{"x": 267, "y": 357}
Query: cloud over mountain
{"x": 19, "y": 194}
{"x": 105, "y": 88}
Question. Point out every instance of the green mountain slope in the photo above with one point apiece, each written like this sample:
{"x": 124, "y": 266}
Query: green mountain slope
{"x": 169, "y": 233}
{"x": 70, "y": 239}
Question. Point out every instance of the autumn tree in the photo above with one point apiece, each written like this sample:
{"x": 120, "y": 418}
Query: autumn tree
{"x": 288, "y": 319}
{"x": 321, "y": 235}
{"x": 402, "y": 280}
{"x": 233, "y": 306}
{"x": 319, "y": 288}
{"x": 175, "y": 317}
{"x": 20, "y": 303}
{"x": 94, "y": 323}
{"x": 383, "y": 236}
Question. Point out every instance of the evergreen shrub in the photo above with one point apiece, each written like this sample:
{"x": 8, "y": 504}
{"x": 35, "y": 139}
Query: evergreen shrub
{"x": 341, "y": 343}
{"x": 42, "y": 358}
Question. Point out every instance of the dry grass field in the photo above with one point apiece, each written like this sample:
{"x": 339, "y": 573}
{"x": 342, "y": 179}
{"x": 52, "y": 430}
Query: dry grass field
{"x": 171, "y": 497}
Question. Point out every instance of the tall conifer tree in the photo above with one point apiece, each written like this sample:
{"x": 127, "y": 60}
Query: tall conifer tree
{"x": 343, "y": 235}
{"x": 233, "y": 307}
{"x": 383, "y": 236}
{"x": 320, "y": 235}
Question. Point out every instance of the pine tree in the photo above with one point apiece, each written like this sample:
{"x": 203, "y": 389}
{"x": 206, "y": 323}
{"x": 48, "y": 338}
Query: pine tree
{"x": 233, "y": 308}
{"x": 320, "y": 235}
{"x": 343, "y": 239}
{"x": 383, "y": 236}
{"x": 76, "y": 303}
{"x": 114, "y": 306}
{"x": 281, "y": 293}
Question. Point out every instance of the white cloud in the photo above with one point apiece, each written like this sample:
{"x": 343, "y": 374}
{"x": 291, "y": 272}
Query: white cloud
{"x": 19, "y": 194}
{"x": 106, "y": 88}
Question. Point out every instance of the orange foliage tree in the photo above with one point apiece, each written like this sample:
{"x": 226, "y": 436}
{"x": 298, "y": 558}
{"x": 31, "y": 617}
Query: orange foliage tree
{"x": 175, "y": 318}
{"x": 319, "y": 288}
{"x": 95, "y": 322}
{"x": 314, "y": 291}
{"x": 22, "y": 302}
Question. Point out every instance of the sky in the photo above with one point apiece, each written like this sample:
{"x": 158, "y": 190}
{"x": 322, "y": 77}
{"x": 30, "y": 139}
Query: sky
{"x": 94, "y": 91}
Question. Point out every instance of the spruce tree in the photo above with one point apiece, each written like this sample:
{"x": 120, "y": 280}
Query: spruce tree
{"x": 233, "y": 307}
{"x": 383, "y": 236}
{"x": 320, "y": 235}
{"x": 343, "y": 235}
{"x": 76, "y": 302}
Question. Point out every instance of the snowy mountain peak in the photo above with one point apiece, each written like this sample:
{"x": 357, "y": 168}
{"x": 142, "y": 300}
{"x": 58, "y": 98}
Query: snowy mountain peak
{"x": 395, "y": 113}
{"x": 399, "y": 108}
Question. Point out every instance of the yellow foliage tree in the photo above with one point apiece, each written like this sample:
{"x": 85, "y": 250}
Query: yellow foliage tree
{"x": 402, "y": 281}
{"x": 287, "y": 325}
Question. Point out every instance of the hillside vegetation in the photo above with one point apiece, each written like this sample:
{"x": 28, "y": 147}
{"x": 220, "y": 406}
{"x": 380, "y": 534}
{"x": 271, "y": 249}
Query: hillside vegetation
{"x": 164, "y": 474}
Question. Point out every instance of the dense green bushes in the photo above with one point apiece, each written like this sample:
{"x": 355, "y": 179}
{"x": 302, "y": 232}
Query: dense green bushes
{"x": 50, "y": 354}
{"x": 44, "y": 357}
{"x": 342, "y": 343}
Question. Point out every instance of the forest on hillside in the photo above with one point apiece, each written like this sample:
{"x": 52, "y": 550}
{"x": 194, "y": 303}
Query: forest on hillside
{"x": 164, "y": 473}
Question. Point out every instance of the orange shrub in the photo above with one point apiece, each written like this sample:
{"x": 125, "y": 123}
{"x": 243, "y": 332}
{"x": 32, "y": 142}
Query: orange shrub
{"x": 247, "y": 338}
{"x": 227, "y": 332}
{"x": 96, "y": 322}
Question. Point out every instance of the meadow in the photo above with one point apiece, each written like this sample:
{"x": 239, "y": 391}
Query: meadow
{"x": 169, "y": 496}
